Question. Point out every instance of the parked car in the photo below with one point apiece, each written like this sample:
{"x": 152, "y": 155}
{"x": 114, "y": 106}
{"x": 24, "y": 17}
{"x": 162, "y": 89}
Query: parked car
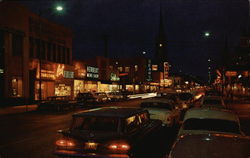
{"x": 101, "y": 97}
{"x": 57, "y": 103}
{"x": 115, "y": 96}
{"x": 212, "y": 93}
{"x": 162, "y": 109}
{"x": 86, "y": 98}
{"x": 207, "y": 120}
{"x": 108, "y": 132}
{"x": 186, "y": 99}
{"x": 213, "y": 101}
{"x": 211, "y": 146}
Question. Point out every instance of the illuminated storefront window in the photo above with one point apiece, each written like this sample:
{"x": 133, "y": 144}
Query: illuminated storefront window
{"x": 91, "y": 86}
{"x": 62, "y": 90}
{"x": 78, "y": 87}
{"x": 129, "y": 87}
{"x": 17, "y": 87}
{"x": 48, "y": 89}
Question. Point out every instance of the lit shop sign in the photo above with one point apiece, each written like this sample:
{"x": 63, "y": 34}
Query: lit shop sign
{"x": 114, "y": 77}
{"x": 231, "y": 73}
{"x": 68, "y": 74}
{"x": 166, "y": 70}
{"x": 149, "y": 71}
{"x": 92, "y": 72}
{"x": 48, "y": 74}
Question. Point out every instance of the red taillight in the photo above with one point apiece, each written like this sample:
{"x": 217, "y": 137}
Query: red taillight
{"x": 65, "y": 143}
{"x": 119, "y": 146}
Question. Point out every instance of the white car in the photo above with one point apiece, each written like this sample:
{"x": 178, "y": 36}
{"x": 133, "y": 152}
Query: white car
{"x": 213, "y": 101}
{"x": 211, "y": 146}
{"x": 207, "y": 120}
{"x": 162, "y": 109}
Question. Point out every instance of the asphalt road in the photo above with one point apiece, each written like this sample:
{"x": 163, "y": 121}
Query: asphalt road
{"x": 32, "y": 134}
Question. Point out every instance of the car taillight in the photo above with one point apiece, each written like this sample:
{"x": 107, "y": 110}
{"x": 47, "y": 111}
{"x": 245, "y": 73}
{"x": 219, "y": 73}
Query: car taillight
{"x": 65, "y": 143}
{"x": 119, "y": 146}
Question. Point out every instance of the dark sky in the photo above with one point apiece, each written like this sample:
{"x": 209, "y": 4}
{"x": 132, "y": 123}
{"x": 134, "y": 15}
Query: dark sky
{"x": 132, "y": 27}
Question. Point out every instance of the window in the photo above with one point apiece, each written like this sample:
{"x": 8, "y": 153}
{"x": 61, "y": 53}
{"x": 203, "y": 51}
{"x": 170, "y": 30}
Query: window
{"x": 16, "y": 87}
{"x": 143, "y": 117}
{"x": 154, "y": 67}
{"x": 127, "y": 69}
{"x": 64, "y": 55}
{"x": 17, "y": 45}
{"x": 120, "y": 69}
{"x": 212, "y": 125}
{"x": 136, "y": 67}
{"x": 43, "y": 50}
{"x": 54, "y": 52}
{"x": 1, "y": 49}
{"x": 96, "y": 123}
{"x": 132, "y": 124}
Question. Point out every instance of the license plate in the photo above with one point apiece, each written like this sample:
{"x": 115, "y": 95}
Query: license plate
{"x": 90, "y": 146}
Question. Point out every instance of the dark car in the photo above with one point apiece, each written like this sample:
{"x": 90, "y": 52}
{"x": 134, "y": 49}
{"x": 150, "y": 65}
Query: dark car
{"x": 57, "y": 103}
{"x": 108, "y": 132}
{"x": 85, "y": 99}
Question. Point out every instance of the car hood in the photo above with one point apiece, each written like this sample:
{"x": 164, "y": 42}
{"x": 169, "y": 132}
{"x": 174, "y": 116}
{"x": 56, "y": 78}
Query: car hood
{"x": 194, "y": 132}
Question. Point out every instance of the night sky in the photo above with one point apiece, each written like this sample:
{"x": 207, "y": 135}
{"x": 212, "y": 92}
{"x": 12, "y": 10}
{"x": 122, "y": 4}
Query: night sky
{"x": 132, "y": 27}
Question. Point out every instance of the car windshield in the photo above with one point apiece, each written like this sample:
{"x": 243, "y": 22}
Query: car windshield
{"x": 210, "y": 101}
{"x": 185, "y": 96}
{"x": 211, "y": 125}
{"x": 95, "y": 123}
{"x": 156, "y": 105}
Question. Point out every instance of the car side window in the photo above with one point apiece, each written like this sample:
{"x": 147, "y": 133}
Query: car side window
{"x": 132, "y": 123}
{"x": 143, "y": 118}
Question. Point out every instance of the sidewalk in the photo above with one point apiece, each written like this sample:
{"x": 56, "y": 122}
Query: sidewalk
{"x": 17, "y": 109}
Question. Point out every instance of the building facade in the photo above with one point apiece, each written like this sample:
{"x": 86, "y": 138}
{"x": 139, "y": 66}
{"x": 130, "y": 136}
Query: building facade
{"x": 36, "y": 54}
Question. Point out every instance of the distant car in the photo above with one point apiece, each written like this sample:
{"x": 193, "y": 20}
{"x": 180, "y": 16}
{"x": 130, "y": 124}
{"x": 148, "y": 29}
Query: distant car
{"x": 211, "y": 146}
{"x": 115, "y": 96}
{"x": 57, "y": 103}
{"x": 186, "y": 99}
{"x": 213, "y": 101}
{"x": 108, "y": 132}
{"x": 101, "y": 97}
{"x": 86, "y": 98}
{"x": 162, "y": 109}
{"x": 206, "y": 120}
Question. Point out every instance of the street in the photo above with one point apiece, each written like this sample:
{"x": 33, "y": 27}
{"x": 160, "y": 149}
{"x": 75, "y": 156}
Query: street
{"x": 32, "y": 134}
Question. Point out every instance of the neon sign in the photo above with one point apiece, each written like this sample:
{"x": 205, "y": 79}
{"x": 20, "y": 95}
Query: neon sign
{"x": 59, "y": 70}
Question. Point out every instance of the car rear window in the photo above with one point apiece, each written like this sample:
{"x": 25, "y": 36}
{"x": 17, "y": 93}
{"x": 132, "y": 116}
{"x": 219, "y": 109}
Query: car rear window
{"x": 95, "y": 123}
{"x": 210, "y": 101}
{"x": 185, "y": 96}
{"x": 211, "y": 125}
{"x": 156, "y": 105}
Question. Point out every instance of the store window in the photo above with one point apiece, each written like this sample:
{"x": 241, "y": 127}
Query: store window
{"x": 16, "y": 87}
{"x": 120, "y": 69}
{"x": 127, "y": 69}
{"x": 136, "y": 67}
{"x": 78, "y": 87}
{"x": 62, "y": 90}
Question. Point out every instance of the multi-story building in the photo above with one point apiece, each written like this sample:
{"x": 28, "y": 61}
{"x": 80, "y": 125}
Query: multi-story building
{"x": 36, "y": 55}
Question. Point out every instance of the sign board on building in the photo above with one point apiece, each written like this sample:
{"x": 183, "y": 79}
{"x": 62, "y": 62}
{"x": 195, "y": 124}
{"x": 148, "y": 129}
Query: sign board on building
{"x": 92, "y": 72}
{"x": 231, "y": 73}
{"x": 68, "y": 74}
{"x": 166, "y": 70}
{"x": 149, "y": 70}
{"x": 114, "y": 77}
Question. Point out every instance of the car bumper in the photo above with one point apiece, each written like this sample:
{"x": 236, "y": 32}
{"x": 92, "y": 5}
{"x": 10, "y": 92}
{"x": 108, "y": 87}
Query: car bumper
{"x": 67, "y": 153}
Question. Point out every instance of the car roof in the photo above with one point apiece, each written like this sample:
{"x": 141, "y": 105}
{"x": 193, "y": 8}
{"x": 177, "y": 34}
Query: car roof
{"x": 157, "y": 100}
{"x": 212, "y": 98}
{"x": 121, "y": 112}
{"x": 211, "y": 145}
{"x": 210, "y": 113}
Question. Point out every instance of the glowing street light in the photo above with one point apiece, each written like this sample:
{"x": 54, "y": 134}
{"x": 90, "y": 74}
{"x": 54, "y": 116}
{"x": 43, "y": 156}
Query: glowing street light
{"x": 207, "y": 34}
{"x": 59, "y": 8}
{"x": 144, "y": 52}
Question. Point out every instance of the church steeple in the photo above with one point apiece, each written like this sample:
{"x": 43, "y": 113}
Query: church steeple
{"x": 161, "y": 51}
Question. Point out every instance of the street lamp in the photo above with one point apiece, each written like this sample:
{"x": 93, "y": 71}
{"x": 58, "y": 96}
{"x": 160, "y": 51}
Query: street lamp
{"x": 207, "y": 34}
{"x": 58, "y": 9}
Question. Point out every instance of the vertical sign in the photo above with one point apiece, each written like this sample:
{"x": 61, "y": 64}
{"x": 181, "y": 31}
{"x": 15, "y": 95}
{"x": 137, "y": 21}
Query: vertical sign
{"x": 149, "y": 70}
{"x": 166, "y": 70}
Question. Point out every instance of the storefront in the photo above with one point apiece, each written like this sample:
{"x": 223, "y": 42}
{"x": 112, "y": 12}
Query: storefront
{"x": 56, "y": 80}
